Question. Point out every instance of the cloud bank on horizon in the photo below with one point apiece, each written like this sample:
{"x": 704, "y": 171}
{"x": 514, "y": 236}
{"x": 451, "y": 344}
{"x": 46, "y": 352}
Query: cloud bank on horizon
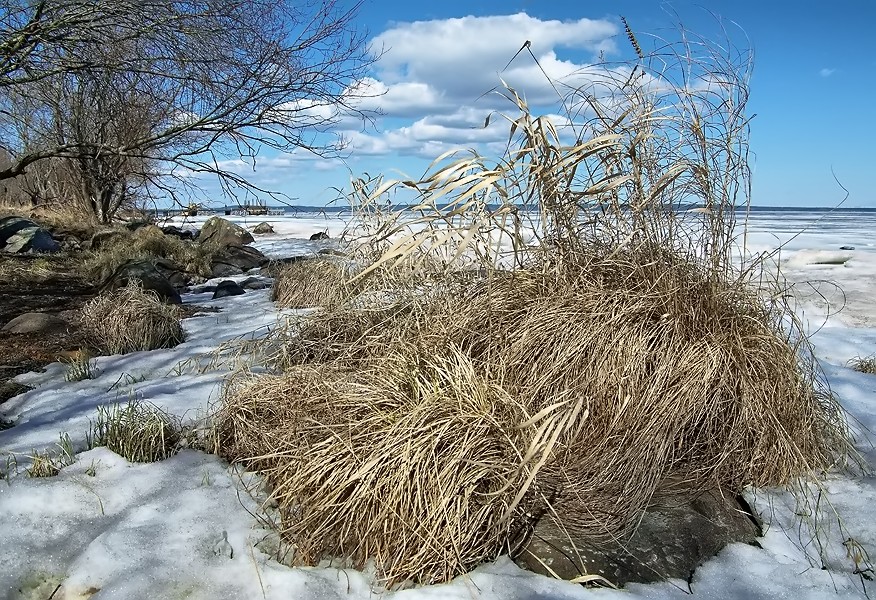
{"x": 433, "y": 79}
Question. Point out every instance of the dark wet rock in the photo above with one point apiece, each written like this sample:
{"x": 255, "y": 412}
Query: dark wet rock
{"x": 263, "y": 228}
{"x": 183, "y": 234}
{"x": 847, "y": 247}
{"x": 149, "y": 276}
{"x": 32, "y": 239}
{"x": 203, "y": 289}
{"x": 319, "y": 235}
{"x": 227, "y": 288}
{"x": 234, "y": 260}
{"x": 9, "y": 226}
{"x": 226, "y": 270}
{"x": 71, "y": 243}
{"x": 35, "y": 322}
{"x": 674, "y": 537}
{"x": 19, "y": 235}
{"x": 255, "y": 283}
{"x": 222, "y": 232}
{"x": 172, "y": 272}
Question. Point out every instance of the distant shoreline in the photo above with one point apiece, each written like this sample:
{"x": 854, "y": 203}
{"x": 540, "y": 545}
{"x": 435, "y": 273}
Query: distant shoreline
{"x": 282, "y": 210}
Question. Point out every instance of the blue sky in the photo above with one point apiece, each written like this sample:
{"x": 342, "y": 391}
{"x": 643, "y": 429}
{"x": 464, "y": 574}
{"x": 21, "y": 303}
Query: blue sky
{"x": 812, "y": 91}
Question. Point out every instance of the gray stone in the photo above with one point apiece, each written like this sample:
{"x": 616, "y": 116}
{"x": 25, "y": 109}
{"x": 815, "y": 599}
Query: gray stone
{"x": 172, "y": 272}
{"x": 149, "y": 276}
{"x": 319, "y": 235}
{"x": 263, "y": 228}
{"x": 234, "y": 260}
{"x": 225, "y": 270}
{"x": 31, "y": 238}
{"x": 35, "y": 323}
{"x": 255, "y": 283}
{"x": 674, "y": 536}
{"x": 222, "y": 232}
{"x": 227, "y": 288}
{"x": 9, "y": 226}
{"x": 183, "y": 234}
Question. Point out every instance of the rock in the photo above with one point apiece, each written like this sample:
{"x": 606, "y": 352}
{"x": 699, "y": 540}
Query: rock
{"x": 32, "y": 239}
{"x": 34, "y": 322}
{"x": 673, "y": 538}
{"x": 18, "y": 235}
{"x": 222, "y": 232}
{"x": 9, "y": 226}
{"x": 227, "y": 288}
{"x": 71, "y": 243}
{"x": 234, "y": 260}
{"x": 263, "y": 228}
{"x": 172, "y": 272}
{"x": 149, "y": 276}
{"x": 183, "y": 234}
{"x": 320, "y": 235}
{"x": 847, "y": 247}
{"x": 254, "y": 283}
{"x": 225, "y": 270}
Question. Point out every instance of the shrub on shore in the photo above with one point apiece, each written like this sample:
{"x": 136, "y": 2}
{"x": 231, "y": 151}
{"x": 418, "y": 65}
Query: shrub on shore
{"x": 149, "y": 243}
{"x": 570, "y": 373}
{"x": 131, "y": 319}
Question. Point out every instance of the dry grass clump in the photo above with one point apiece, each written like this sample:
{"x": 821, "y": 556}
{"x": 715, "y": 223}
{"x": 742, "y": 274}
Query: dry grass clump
{"x": 619, "y": 345}
{"x": 431, "y": 465}
{"x": 865, "y": 364}
{"x": 131, "y": 319}
{"x": 423, "y": 441}
{"x": 149, "y": 243}
{"x": 314, "y": 282}
{"x": 136, "y": 431}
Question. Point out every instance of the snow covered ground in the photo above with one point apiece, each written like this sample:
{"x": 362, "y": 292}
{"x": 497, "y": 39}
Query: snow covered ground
{"x": 187, "y": 528}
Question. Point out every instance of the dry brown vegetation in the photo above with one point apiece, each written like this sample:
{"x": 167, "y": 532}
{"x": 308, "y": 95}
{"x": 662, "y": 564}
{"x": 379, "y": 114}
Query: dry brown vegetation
{"x": 427, "y": 423}
{"x": 148, "y": 243}
{"x": 315, "y": 282}
{"x": 131, "y": 319}
{"x": 866, "y": 364}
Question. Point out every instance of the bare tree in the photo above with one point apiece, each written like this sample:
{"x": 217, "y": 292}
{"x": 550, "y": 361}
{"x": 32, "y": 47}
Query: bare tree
{"x": 137, "y": 95}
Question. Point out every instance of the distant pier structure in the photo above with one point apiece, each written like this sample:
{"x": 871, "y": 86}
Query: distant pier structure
{"x": 247, "y": 209}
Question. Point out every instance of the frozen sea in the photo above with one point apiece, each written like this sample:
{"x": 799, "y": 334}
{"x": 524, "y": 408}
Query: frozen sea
{"x": 186, "y": 528}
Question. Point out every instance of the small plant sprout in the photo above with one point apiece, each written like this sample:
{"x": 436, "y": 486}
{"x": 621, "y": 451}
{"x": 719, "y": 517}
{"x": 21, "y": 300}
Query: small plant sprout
{"x": 49, "y": 464}
{"x": 138, "y": 431}
{"x": 866, "y": 364}
{"x": 80, "y": 366}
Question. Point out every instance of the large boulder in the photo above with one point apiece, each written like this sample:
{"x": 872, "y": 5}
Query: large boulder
{"x": 183, "y": 234}
{"x": 227, "y": 288}
{"x": 149, "y": 276}
{"x": 263, "y": 228}
{"x": 222, "y": 232}
{"x": 674, "y": 536}
{"x": 234, "y": 260}
{"x": 34, "y": 322}
{"x": 18, "y": 235}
